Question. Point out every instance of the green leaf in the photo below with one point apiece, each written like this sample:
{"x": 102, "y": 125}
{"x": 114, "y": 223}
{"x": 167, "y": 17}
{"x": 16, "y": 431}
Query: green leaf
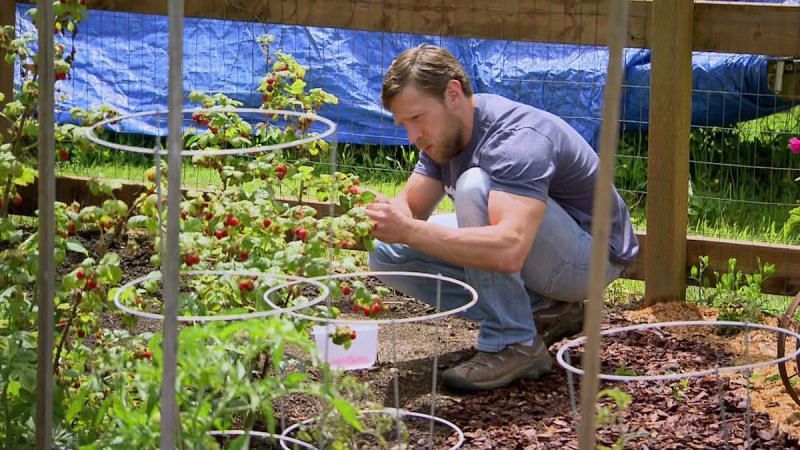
{"x": 77, "y": 247}
{"x": 76, "y": 404}
{"x": 348, "y": 413}
{"x": 27, "y": 177}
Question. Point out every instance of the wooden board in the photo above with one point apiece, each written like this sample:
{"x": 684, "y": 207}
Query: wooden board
{"x": 756, "y": 28}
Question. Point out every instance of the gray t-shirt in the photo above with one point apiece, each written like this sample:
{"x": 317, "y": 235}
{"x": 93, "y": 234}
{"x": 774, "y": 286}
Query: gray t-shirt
{"x": 533, "y": 153}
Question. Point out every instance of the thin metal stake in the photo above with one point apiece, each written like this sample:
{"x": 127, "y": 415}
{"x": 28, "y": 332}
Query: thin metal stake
{"x": 748, "y": 413}
{"x": 396, "y": 380}
{"x": 724, "y": 425}
{"x": 573, "y": 402}
{"x": 434, "y": 372}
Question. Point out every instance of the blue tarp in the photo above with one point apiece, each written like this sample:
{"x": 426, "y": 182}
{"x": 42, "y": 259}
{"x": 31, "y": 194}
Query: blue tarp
{"x": 121, "y": 61}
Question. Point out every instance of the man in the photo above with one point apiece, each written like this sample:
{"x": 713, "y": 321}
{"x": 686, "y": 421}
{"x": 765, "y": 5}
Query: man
{"x": 522, "y": 183}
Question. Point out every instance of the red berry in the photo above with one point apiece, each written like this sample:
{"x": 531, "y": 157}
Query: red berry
{"x": 213, "y": 129}
{"x": 63, "y": 154}
{"x": 246, "y": 285}
{"x": 266, "y": 223}
{"x": 352, "y": 335}
{"x": 220, "y": 234}
{"x": 91, "y": 284}
{"x": 280, "y": 171}
{"x": 376, "y": 308}
{"x": 232, "y": 222}
{"x": 61, "y": 76}
{"x": 80, "y": 274}
{"x": 244, "y": 255}
{"x": 366, "y": 311}
{"x": 208, "y": 216}
{"x": 353, "y": 190}
{"x": 72, "y": 228}
{"x": 346, "y": 290}
{"x": 81, "y": 333}
{"x": 301, "y": 233}
{"x": 191, "y": 259}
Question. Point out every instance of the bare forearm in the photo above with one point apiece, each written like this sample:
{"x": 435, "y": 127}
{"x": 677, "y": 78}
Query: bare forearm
{"x": 487, "y": 247}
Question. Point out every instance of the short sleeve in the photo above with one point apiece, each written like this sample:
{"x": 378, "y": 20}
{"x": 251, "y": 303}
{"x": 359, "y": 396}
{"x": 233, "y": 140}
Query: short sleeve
{"x": 428, "y": 167}
{"x": 520, "y": 162}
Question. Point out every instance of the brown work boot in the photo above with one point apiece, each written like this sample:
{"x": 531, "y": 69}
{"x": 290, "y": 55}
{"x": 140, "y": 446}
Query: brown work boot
{"x": 491, "y": 370}
{"x": 560, "y": 320}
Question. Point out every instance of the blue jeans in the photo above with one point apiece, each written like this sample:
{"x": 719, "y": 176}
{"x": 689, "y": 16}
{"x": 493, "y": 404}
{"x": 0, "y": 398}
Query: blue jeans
{"x": 557, "y": 268}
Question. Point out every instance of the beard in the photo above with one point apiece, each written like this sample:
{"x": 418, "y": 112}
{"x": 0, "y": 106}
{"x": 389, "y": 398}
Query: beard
{"x": 449, "y": 146}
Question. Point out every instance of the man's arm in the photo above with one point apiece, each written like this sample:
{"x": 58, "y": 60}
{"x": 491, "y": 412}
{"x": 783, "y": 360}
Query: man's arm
{"x": 419, "y": 196}
{"x": 501, "y": 246}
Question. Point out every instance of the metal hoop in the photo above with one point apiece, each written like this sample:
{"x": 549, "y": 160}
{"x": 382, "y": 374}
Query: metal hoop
{"x": 323, "y": 294}
{"x": 671, "y": 377}
{"x": 397, "y": 414}
{"x": 423, "y": 318}
{"x": 786, "y": 321}
{"x": 331, "y": 128}
{"x": 262, "y": 435}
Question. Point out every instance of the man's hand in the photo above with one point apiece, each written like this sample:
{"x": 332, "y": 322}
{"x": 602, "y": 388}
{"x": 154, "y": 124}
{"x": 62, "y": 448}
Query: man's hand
{"x": 391, "y": 225}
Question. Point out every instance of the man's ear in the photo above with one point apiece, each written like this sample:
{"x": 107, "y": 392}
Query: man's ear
{"x": 453, "y": 92}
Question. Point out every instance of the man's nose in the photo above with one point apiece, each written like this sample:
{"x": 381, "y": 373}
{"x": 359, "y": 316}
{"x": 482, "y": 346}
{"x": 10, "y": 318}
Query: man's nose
{"x": 414, "y": 134}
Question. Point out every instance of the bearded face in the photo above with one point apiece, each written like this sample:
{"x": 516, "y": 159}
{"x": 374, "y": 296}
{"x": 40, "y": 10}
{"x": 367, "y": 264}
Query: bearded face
{"x": 430, "y": 124}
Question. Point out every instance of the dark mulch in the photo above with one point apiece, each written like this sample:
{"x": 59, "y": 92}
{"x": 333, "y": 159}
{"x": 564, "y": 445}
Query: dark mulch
{"x": 702, "y": 413}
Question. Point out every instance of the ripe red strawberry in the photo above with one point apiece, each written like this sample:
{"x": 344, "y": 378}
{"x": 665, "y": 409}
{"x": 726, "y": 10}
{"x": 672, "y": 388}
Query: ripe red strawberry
{"x": 353, "y": 335}
{"x": 266, "y": 223}
{"x": 353, "y": 190}
{"x": 91, "y": 284}
{"x": 244, "y": 255}
{"x": 232, "y": 222}
{"x": 208, "y": 216}
{"x": 346, "y": 290}
{"x": 220, "y": 233}
{"x": 376, "y": 308}
{"x": 80, "y": 274}
{"x": 72, "y": 228}
{"x": 61, "y": 75}
{"x": 63, "y": 154}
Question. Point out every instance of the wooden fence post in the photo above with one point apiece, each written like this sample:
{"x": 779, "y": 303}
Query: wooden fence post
{"x": 668, "y": 154}
{"x": 8, "y": 12}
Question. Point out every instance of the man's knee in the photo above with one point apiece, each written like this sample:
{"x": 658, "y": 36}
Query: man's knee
{"x": 471, "y": 198}
{"x": 380, "y": 258}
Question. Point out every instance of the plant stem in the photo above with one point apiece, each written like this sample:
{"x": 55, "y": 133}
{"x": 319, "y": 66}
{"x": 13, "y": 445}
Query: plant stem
{"x": 251, "y": 416}
{"x": 65, "y": 333}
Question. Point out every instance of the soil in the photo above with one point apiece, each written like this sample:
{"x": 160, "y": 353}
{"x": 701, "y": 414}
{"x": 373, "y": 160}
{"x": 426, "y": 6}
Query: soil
{"x": 711, "y": 412}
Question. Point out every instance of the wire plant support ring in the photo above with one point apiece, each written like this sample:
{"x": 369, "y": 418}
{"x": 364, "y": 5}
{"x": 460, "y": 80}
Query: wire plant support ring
{"x": 678, "y": 376}
{"x": 293, "y": 280}
{"x": 91, "y": 131}
{"x": 437, "y": 315}
{"x": 395, "y": 413}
